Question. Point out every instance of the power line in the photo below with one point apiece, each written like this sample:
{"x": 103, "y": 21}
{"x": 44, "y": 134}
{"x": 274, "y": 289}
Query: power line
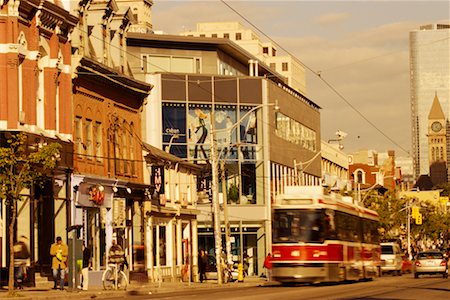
{"x": 378, "y": 56}
{"x": 318, "y": 74}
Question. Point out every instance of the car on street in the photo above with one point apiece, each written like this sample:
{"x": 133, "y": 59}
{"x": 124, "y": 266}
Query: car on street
{"x": 430, "y": 262}
{"x": 391, "y": 258}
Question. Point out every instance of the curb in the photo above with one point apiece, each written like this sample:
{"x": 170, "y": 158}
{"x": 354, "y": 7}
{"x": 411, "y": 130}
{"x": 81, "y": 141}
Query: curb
{"x": 132, "y": 291}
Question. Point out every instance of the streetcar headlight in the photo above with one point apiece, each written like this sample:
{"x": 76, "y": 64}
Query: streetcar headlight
{"x": 295, "y": 253}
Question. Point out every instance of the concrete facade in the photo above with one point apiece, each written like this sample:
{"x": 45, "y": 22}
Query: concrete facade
{"x": 191, "y": 77}
{"x": 430, "y": 74}
{"x": 335, "y": 167}
{"x": 266, "y": 52}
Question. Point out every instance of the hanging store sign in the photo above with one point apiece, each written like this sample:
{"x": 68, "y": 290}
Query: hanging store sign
{"x": 119, "y": 212}
{"x": 93, "y": 195}
{"x": 157, "y": 179}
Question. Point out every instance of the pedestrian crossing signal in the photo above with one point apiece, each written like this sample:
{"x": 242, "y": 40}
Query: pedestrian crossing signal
{"x": 419, "y": 219}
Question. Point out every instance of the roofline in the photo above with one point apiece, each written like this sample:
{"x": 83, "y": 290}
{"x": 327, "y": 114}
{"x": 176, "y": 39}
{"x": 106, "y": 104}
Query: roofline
{"x": 224, "y": 44}
{"x": 163, "y": 156}
{"x": 135, "y": 39}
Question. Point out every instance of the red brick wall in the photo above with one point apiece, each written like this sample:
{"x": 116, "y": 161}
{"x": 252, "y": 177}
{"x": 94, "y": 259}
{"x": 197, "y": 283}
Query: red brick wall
{"x": 92, "y": 104}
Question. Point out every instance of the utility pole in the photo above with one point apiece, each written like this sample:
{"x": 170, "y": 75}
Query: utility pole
{"x": 214, "y": 157}
{"x": 215, "y": 199}
{"x": 225, "y": 216}
{"x": 408, "y": 227}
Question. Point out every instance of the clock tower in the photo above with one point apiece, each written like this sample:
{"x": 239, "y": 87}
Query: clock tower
{"x": 437, "y": 143}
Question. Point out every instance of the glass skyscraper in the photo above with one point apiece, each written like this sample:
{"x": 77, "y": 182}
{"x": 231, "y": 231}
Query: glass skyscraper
{"x": 429, "y": 76}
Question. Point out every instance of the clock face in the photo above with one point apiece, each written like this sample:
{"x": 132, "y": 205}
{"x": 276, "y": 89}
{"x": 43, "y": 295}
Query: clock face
{"x": 436, "y": 126}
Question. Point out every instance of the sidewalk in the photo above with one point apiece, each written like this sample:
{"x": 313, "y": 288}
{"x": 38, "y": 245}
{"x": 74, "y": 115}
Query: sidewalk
{"x": 135, "y": 288}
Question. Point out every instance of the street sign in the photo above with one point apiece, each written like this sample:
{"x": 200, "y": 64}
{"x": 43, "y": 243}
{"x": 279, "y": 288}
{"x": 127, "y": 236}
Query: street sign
{"x": 119, "y": 212}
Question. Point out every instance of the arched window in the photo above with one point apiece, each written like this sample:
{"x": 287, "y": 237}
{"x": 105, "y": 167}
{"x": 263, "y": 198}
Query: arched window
{"x": 124, "y": 142}
{"x": 359, "y": 176}
{"x": 132, "y": 150}
{"x": 117, "y": 152}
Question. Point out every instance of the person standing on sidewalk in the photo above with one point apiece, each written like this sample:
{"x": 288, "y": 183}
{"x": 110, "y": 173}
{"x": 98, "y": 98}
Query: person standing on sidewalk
{"x": 268, "y": 266}
{"x": 202, "y": 262}
{"x": 87, "y": 254}
{"x": 59, "y": 251}
{"x": 21, "y": 255}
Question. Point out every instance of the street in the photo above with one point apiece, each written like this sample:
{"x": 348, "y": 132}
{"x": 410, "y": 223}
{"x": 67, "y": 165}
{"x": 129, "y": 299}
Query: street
{"x": 387, "y": 287}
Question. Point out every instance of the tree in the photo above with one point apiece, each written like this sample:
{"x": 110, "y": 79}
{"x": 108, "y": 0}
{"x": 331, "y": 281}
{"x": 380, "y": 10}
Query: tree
{"x": 21, "y": 167}
{"x": 393, "y": 217}
{"x": 390, "y": 210}
{"x": 435, "y": 223}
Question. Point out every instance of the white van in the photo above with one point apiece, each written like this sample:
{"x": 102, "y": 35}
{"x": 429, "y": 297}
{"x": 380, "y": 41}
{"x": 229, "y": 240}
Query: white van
{"x": 391, "y": 258}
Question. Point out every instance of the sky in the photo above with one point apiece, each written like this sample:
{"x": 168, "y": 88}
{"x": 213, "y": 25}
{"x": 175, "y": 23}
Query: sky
{"x": 360, "y": 49}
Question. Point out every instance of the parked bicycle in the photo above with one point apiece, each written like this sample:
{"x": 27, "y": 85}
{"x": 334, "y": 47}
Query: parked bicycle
{"x": 114, "y": 278}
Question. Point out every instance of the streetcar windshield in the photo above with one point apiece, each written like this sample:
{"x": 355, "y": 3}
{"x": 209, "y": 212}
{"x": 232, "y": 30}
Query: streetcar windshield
{"x": 309, "y": 226}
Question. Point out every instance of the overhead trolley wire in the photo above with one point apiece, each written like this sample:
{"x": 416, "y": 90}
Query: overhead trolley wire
{"x": 319, "y": 75}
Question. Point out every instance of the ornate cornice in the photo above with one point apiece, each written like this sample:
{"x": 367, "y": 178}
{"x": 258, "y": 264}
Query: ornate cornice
{"x": 49, "y": 16}
{"x": 99, "y": 72}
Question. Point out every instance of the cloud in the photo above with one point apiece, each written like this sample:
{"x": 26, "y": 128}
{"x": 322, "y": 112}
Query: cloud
{"x": 189, "y": 13}
{"x": 331, "y": 19}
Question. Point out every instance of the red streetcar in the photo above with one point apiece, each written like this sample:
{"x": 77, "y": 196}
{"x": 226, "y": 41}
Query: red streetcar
{"x": 323, "y": 237}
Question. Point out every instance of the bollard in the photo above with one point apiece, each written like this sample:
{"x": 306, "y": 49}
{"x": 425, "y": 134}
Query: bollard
{"x": 240, "y": 273}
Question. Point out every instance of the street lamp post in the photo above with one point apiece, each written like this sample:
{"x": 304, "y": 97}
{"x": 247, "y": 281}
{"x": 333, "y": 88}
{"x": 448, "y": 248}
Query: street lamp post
{"x": 214, "y": 187}
{"x": 215, "y": 199}
{"x": 408, "y": 227}
{"x": 229, "y": 259}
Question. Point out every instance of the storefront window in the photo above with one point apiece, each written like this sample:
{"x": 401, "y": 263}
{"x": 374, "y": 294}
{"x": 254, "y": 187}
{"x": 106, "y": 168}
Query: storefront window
{"x": 162, "y": 245}
{"x": 159, "y": 240}
{"x": 138, "y": 239}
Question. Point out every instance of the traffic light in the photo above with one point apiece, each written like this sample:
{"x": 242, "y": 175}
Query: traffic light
{"x": 419, "y": 219}
{"x": 415, "y": 212}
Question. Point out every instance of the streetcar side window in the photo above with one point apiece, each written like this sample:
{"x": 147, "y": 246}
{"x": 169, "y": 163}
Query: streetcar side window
{"x": 330, "y": 224}
{"x": 370, "y": 231}
{"x": 348, "y": 227}
{"x": 367, "y": 231}
{"x": 293, "y": 226}
{"x": 341, "y": 227}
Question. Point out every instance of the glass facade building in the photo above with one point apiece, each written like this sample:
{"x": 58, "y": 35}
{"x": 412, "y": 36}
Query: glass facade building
{"x": 429, "y": 76}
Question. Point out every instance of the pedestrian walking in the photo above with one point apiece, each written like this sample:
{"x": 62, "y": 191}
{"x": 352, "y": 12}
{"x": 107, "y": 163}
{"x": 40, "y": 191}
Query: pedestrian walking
{"x": 87, "y": 264}
{"x": 268, "y": 266}
{"x": 59, "y": 251}
{"x": 21, "y": 255}
{"x": 246, "y": 263}
{"x": 202, "y": 263}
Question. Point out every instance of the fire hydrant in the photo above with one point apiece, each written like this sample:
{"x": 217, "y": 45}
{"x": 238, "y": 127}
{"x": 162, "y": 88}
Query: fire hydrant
{"x": 240, "y": 273}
